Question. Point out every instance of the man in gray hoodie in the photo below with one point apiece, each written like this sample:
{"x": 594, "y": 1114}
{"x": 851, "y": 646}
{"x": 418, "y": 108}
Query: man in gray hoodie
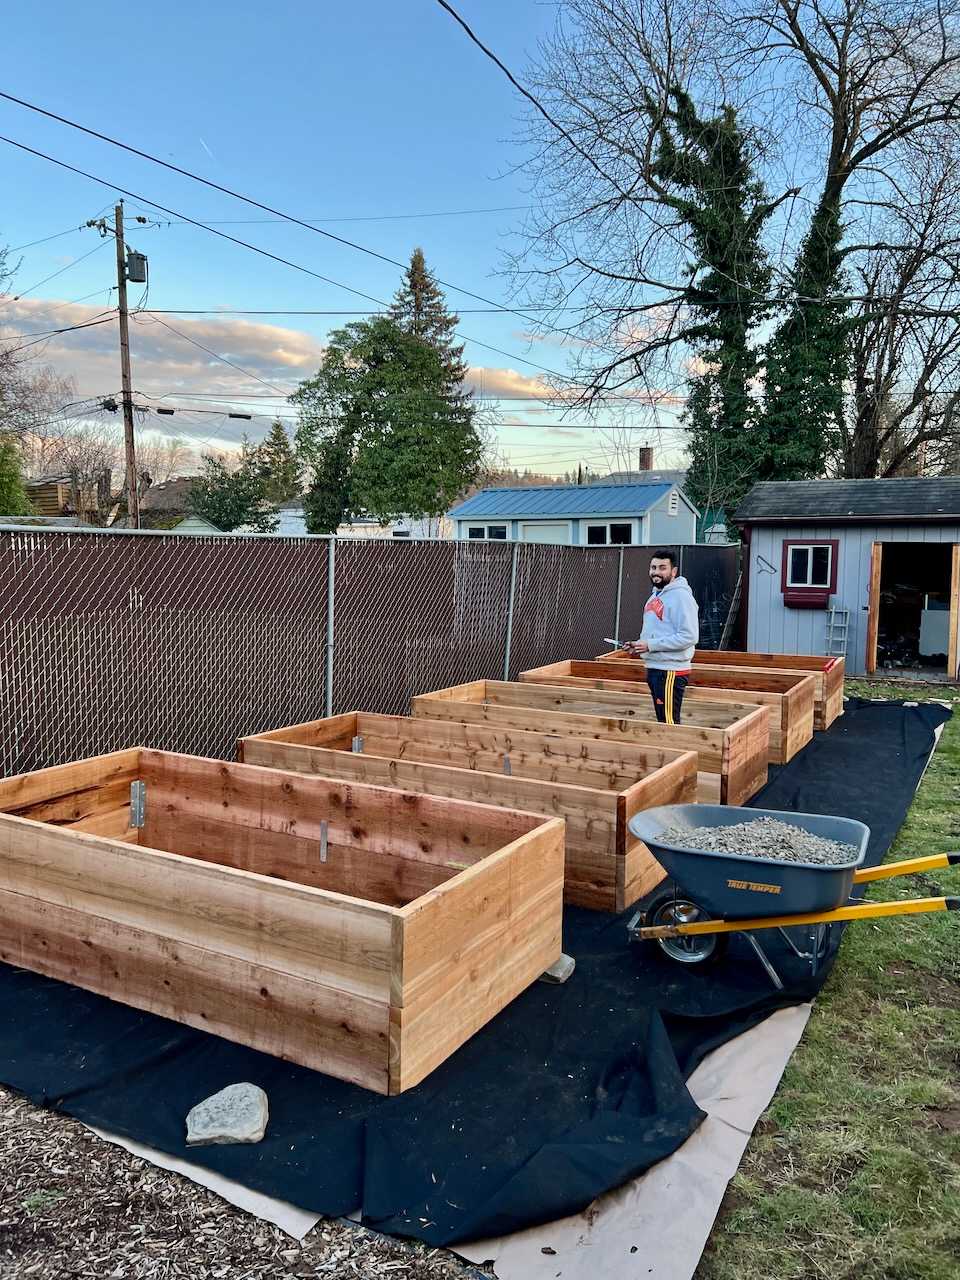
{"x": 671, "y": 629}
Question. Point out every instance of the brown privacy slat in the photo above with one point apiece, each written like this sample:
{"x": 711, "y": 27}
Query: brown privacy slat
{"x": 184, "y": 643}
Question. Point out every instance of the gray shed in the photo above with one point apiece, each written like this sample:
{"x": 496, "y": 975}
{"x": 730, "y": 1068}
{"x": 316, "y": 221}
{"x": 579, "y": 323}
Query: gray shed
{"x": 865, "y": 568}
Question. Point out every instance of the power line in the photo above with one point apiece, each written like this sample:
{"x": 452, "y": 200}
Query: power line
{"x": 216, "y": 355}
{"x": 49, "y": 333}
{"x": 23, "y": 293}
{"x": 245, "y": 244}
{"x": 377, "y": 217}
{"x": 229, "y": 311}
{"x": 257, "y": 204}
{"x": 46, "y": 239}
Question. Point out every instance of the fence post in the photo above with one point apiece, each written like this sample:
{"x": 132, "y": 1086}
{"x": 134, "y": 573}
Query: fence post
{"x": 331, "y": 579}
{"x": 510, "y": 603}
{"x": 616, "y": 619}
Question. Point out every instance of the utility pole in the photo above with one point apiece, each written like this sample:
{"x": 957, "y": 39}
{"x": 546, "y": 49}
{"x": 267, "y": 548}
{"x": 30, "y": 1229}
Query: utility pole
{"x": 130, "y": 456}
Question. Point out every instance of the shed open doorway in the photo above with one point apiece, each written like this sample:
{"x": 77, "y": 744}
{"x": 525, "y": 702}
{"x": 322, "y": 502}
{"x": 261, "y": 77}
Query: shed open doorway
{"x": 913, "y": 609}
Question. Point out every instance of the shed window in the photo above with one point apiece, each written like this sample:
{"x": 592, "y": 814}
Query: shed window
{"x": 673, "y": 506}
{"x": 809, "y": 573}
{"x": 809, "y": 566}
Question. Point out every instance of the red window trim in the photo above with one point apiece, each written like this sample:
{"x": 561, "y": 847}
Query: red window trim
{"x": 808, "y": 597}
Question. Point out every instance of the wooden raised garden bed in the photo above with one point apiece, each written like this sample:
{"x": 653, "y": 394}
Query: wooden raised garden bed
{"x": 788, "y": 698}
{"x": 731, "y": 745}
{"x": 360, "y": 931}
{"x": 595, "y": 785}
{"x": 827, "y": 673}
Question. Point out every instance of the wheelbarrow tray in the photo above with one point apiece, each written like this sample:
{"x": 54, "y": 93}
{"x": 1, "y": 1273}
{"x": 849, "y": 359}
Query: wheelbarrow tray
{"x": 731, "y": 887}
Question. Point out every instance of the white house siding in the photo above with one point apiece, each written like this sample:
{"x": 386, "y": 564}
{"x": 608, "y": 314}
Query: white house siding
{"x": 680, "y": 529}
{"x": 775, "y": 629}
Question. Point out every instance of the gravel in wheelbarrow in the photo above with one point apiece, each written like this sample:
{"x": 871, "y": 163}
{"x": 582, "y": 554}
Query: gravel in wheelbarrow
{"x": 764, "y": 838}
{"x": 743, "y": 885}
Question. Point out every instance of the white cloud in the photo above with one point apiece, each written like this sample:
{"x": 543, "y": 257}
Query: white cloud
{"x": 163, "y": 361}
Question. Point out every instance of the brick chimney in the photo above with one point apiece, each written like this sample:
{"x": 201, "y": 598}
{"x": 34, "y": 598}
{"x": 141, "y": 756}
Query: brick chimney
{"x": 646, "y": 458}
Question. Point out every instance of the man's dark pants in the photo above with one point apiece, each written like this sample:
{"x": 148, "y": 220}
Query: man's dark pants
{"x": 666, "y": 689}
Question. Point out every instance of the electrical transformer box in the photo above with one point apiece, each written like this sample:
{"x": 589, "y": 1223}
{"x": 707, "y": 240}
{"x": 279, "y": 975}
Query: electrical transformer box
{"x": 136, "y": 267}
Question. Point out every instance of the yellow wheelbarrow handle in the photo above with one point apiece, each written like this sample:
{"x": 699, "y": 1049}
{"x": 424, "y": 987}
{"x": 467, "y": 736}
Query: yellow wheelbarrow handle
{"x": 855, "y": 911}
{"x": 908, "y": 867}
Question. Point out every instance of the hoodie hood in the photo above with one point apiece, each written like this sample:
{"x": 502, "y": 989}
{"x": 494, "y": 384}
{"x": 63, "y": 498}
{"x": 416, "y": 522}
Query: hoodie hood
{"x": 678, "y": 584}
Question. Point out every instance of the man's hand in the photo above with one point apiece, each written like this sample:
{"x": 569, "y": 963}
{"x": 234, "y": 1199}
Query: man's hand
{"x": 635, "y": 648}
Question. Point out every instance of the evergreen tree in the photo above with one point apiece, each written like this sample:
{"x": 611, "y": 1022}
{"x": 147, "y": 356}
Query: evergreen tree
{"x": 420, "y": 308}
{"x": 706, "y": 172}
{"x": 13, "y": 496}
{"x": 382, "y": 429}
{"x": 232, "y": 499}
{"x": 327, "y": 502}
{"x": 281, "y": 464}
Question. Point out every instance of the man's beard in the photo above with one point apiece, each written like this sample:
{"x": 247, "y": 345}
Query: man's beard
{"x": 657, "y": 581}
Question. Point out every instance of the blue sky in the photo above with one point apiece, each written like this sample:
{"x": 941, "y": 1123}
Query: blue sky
{"x": 325, "y": 111}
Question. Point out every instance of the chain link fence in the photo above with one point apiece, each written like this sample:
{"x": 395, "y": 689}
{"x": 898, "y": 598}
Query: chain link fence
{"x": 110, "y": 640}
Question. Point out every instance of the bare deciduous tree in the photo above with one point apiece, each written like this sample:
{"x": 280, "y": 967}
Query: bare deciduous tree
{"x": 842, "y": 99}
{"x": 904, "y": 406}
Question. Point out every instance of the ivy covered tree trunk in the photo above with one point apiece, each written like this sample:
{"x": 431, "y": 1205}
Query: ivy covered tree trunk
{"x": 705, "y": 170}
{"x": 808, "y": 358}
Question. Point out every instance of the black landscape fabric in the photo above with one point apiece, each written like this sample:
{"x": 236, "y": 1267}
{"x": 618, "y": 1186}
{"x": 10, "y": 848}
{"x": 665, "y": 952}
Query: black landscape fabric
{"x": 569, "y": 1092}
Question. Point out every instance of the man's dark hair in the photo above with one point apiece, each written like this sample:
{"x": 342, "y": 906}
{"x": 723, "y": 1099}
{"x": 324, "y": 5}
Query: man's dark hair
{"x": 665, "y": 553}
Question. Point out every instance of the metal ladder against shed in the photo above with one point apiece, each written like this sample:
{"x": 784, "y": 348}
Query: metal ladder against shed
{"x": 838, "y": 622}
{"x": 731, "y": 613}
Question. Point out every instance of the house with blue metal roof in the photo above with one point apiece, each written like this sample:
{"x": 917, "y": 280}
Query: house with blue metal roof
{"x": 588, "y": 515}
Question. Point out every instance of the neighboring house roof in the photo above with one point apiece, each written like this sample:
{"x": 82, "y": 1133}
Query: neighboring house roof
{"x": 656, "y": 476}
{"x": 561, "y": 501}
{"x": 48, "y": 522}
{"x": 195, "y": 524}
{"x": 172, "y": 495}
{"x": 921, "y": 499}
{"x": 37, "y": 481}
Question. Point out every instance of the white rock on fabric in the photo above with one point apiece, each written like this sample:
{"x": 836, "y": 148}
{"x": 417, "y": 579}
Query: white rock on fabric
{"x": 238, "y": 1113}
{"x": 560, "y": 970}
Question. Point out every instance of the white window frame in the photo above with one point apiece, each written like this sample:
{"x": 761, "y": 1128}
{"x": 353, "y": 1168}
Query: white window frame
{"x": 605, "y": 524}
{"x": 809, "y": 547}
{"x": 486, "y": 526}
{"x": 673, "y": 503}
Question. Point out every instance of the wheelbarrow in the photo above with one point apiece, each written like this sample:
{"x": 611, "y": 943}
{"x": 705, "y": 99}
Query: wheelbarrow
{"x": 717, "y": 894}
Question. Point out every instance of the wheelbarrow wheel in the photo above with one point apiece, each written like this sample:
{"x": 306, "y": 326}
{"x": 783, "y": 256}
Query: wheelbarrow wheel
{"x": 669, "y": 907}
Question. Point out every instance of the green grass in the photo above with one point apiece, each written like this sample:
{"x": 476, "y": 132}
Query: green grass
{"x": 854, "y": 1170}
{"x": 38, "y": 1201}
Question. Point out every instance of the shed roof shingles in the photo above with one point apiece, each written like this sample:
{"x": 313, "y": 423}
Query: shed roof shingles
{"x": 924, "y": 498}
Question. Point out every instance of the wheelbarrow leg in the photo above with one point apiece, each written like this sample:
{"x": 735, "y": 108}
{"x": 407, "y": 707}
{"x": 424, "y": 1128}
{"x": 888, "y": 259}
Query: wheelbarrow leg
{"x": 819, "y": 936}
{"x": 762, "y": 957}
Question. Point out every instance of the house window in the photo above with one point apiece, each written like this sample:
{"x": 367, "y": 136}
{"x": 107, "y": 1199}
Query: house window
{"x": 808, "y": 574}
{"x": 496, "y": 531}
{"x": 673, "y": 506}
{"x": 602, "y": 535}
{"x": 401, "y": 533}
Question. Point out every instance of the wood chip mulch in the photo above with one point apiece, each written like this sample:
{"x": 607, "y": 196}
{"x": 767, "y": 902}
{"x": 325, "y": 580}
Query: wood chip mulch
{"x": 72, "y": 1205}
